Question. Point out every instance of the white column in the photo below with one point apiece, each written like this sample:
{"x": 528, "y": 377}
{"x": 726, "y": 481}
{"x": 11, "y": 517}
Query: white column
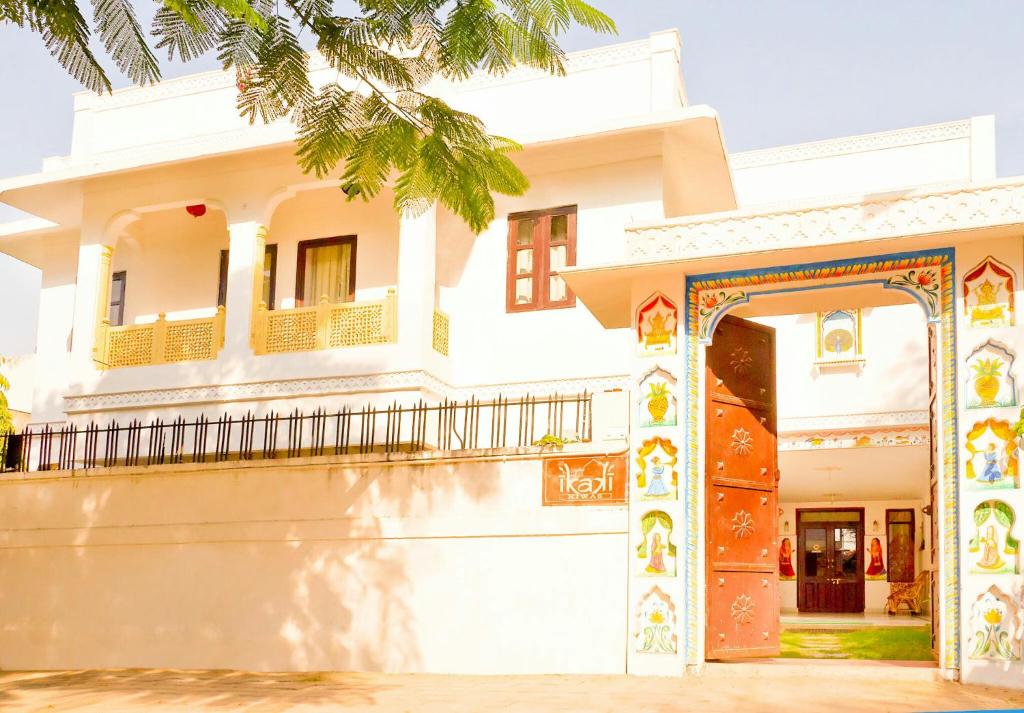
{"x": 245, "y": 286}
{"x": 417, "y": 242}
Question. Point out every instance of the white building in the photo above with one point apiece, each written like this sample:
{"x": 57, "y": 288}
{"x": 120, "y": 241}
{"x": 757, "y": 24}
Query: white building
{"x": 191, "y": 271}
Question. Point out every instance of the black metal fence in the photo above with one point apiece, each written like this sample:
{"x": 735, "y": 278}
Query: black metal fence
{"x": 451, "y": 425}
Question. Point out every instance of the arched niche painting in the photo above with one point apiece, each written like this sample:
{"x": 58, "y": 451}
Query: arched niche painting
{"x": 656, "y": 555}
{"x": 656, "y": 624}
{"x": 989, "y": 378}
{"x": 988, "y": 294}
{"x": 657, "y": 405}
{"x": 839, "y": 336}
{"x": 996, "y": 626}
{"x": 993, "y": 549}
{"x": 656, "y": 475}
{"x": 992, "y": 462}
{"x": 656, "y": 322}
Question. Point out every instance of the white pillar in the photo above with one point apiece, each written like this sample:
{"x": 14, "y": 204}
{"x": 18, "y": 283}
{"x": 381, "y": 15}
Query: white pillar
{"x": 245, "y": 286}
{"x": 417, "y": 241}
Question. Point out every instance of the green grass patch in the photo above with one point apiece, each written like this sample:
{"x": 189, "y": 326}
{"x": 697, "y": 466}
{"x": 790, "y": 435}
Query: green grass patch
{"x": 902, "y": 643}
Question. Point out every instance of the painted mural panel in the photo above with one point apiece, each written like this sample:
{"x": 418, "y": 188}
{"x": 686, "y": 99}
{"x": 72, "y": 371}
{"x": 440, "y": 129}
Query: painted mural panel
{"x": 839, "y": 337}
{"x": 656, "y": 475}
{"x": 992, "y": 462}
{"x": 658, "y": 405}
{"x": 996, "y": 626}
{"x": 989, "y": 379}
{"x": 656, "y": 323}
{"x": 656, "y": 624}
{"x": 875, "y": 568}
{"x": 656, "y": 555}
{"x": 786, "y": 571}
{"x": 993, "y": 549}
{"x": 988, "y": 294}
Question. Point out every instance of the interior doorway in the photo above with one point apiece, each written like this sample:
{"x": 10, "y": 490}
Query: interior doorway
{"x": 830, "y": 547}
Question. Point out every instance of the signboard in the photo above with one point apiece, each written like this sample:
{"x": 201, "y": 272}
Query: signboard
{"x": 585, "y": 480}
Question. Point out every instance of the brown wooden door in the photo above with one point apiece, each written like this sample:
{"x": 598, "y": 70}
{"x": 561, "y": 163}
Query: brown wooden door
{"x": 741, "y": 493}
{"x": 830, "y": 561}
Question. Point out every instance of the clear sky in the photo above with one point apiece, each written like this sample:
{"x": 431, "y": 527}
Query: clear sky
{"x": 777, "y": 71}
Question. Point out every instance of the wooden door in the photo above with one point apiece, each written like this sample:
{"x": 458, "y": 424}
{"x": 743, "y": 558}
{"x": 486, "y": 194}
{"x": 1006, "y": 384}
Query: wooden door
{"x": 741, "y": 493}
{"x": 933, "y": 484}
{"x": 830, "y": 560}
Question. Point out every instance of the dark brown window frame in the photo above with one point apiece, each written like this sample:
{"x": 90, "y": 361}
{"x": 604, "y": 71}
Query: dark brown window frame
{"x": 222, "y": 278}
{"x": 300, "y": 264}
{"x": 122, "y": 276}
{"x": 541, "y": 259}
{"x": 913, "y": 542}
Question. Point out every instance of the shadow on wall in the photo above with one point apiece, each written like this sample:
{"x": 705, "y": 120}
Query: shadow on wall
{"x": 262, "y": 569}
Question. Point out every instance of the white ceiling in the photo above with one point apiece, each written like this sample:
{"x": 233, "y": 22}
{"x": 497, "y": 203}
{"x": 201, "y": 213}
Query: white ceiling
{"x": 882, "y": 473}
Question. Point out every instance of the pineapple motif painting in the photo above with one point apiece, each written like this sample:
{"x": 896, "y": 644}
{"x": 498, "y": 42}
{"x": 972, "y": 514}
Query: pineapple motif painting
{"x": 997, "y": 624}
{"x": 656, "y": 475}
{"x": 993, "y": 549}
{"x": 657, "y": 399}
{"x": 656, "y": 624}
{"x": 988, "y": 294}
{"x": 656, "y": 322}
{"x": 990, "y": 382}
{"x": 992, "y": 461}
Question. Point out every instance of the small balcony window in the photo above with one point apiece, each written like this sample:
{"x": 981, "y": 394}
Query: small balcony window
{"x": 118, "y": 282}
{"x": 540, "y": 243}
{"x": 326, "y": 268}
{"x": 269, "y": 277}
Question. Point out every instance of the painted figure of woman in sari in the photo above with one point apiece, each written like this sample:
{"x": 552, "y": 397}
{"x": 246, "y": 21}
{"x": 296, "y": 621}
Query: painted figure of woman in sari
{"x": 786, "y": 559}
{"x": 876, "y": 568}
{"x": 993, "y": 471}
{"x": 990, "y": 558}
{"x": 656, "y": 565}
{"x": 656, "y": 488}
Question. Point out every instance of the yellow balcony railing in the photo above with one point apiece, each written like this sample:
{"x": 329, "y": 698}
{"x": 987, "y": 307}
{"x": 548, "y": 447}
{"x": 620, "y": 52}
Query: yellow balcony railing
{"x": 160, "y": 342}
{"x": 325, "y": 326}
{"x": 440, "y": 335}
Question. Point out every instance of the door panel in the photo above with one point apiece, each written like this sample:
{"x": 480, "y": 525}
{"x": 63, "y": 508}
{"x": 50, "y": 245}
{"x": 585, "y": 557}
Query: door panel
{"x": 745, "y": 449}
{"x": 741, "y": 493}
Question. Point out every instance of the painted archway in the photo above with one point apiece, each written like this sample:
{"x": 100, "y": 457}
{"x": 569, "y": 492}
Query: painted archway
{"x": 928, "y": 278}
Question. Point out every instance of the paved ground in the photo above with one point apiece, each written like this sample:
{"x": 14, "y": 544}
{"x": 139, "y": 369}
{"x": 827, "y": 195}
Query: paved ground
{"x": 791, "y": 689}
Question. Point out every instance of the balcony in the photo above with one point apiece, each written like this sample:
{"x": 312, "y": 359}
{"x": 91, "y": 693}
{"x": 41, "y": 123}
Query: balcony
{"x": 159, "y": 342}
{"x": 325, "y": 326}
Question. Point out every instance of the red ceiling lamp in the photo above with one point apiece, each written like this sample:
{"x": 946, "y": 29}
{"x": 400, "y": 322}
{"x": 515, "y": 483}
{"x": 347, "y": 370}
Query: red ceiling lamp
{"x": 196, "y": 211}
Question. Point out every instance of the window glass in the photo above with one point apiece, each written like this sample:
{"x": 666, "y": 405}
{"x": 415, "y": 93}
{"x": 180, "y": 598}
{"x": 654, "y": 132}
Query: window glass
{"x": 559, "y": 228}
{"x": 524, "y": 290}
{"x": 900, "y": 541}
{"x": 524, "y": 262}
{"x": 117, "y": 289}
{"x": 524, "y": 231}
{"x": 326, "y": 273}
{"x": 269, "y": 276}
{"x": 814, "y": 551}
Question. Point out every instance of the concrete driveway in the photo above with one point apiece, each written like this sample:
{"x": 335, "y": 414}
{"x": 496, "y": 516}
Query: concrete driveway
{"x": 732, "y": 689}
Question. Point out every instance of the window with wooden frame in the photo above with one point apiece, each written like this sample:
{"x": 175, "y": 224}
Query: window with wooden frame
{"x": 540, "y": 243}
{"x": 899, "y": 531}
{"x": 118, "y": 282}
{"x": 326, "y": 267}
{"x": 269, "y": 277}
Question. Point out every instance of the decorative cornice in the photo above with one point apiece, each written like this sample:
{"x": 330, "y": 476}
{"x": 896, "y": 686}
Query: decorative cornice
{"x": 852, "y": 422}
{"x": 329, "y": 386}
{"x": 854, "y": 220}
{"x": 216, "y": 80}
{"x": 854, "y": 438}
{"x": 852, "y": 144}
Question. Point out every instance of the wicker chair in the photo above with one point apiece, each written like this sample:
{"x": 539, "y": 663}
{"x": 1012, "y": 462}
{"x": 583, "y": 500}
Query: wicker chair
{"x": 910, "y": 593}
